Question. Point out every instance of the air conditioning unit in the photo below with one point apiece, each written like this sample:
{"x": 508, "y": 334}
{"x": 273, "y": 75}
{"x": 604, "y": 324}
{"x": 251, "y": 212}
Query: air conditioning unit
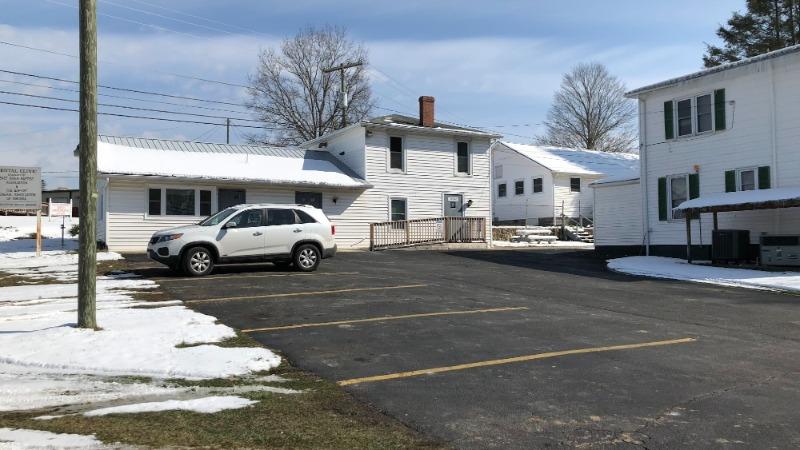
{"x": 780, "y": 250}
{"x": 730, "y": 245}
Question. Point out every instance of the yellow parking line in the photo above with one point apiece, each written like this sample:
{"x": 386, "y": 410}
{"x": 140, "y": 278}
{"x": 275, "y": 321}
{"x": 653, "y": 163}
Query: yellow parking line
{"x": 384, "y": 318}
{"x": 496, "y": 362}
{"x": 299, "y": 294}
{"x": 228, "y": 276}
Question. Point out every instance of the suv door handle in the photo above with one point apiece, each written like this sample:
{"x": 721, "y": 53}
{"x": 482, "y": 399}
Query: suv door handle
{"x": 297, "y": 230}
{"x": 257, "y": 233}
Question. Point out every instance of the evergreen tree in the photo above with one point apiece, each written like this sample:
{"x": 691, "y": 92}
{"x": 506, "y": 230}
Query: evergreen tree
{"x": 767, "y": 25}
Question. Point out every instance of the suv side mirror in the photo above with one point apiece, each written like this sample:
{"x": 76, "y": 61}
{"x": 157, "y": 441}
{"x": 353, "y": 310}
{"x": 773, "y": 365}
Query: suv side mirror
{"x": 229, "y": 224}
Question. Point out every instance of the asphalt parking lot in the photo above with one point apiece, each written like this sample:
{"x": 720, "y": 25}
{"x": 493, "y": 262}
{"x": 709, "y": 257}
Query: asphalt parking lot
{"x": 527, "y": 349}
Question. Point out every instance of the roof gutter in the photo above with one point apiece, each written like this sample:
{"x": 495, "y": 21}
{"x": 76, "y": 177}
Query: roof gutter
{"x": 230, "y": 181}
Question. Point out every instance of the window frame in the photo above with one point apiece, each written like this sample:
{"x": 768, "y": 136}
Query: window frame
{"x": 678, "y": 117}
{"x": 739, "y": 178}
{"x": 521, "y": 180}
{"x": 694, "y": 113}
{"x": 671, "y": 217}
{"x": 403, "y": 154}
{"x": 246, "y": 211}
{"x": 505, "y": 189}
{"x": 580, "y": 187}
{"x": 541, "y": 185}
{"x": 457, "y": 172}
{"x": 392, "y": 199}
{"x": 163, "y": 200}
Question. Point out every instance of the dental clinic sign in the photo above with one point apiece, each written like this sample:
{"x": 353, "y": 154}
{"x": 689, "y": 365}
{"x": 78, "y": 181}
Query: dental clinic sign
{"x": 20, "y": 187}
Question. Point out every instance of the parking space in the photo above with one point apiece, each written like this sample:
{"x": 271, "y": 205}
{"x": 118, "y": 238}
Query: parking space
{"x": 522, "y": 349}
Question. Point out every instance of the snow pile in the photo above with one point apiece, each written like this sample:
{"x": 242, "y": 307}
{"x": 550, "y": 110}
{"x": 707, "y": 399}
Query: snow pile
{"x": 57, "y": 264}
{"x": 205, "y": 405}
{"x": 12, "y": 438}
{"x": 46, "y": 361}
{"x": 677, "y": 269}
{"x": 554, "y": 244}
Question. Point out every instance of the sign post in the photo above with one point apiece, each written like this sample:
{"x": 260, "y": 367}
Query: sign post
{"x": 60, "y": 210}
{"x": 21, "y": 189}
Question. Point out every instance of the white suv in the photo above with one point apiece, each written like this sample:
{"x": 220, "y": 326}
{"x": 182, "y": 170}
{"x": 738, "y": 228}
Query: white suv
{"x": 283, "y": 234}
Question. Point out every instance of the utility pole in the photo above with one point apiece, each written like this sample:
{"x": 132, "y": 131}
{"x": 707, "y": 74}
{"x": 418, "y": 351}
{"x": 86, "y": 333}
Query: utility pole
{"x": 341, "y": 68}
{"x": 87, "y": 249}
{"x": 228, "y": 131}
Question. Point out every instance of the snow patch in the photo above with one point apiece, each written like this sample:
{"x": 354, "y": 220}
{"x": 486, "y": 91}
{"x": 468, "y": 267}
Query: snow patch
{"x": 205, "y": 405}
{"x": 677, "y": 269}
{"x": 17, "y": 438}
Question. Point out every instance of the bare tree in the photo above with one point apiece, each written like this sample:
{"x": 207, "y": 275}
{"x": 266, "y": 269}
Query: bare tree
{"x": 291, "y": 94}
{"x": 590, "y": 111}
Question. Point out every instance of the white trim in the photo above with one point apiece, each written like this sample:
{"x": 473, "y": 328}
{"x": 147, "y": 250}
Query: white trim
{"x": 693, "y": 112}
{"x": 670, "y": 208}
{"x": 397, "y": 197}
{"x": 404, "y": 153}
{"x": 163, "y": 201}
{"x": 469, "y": 171}
{"x": 739, "y": 178}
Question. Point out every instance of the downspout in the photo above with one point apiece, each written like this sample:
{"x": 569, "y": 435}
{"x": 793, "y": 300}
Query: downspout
{"x": 643, "y": 174}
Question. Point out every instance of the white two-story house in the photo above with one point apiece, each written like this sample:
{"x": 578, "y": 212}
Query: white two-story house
{"x": 388, "y": 168}
{"x": 727, "y": 137}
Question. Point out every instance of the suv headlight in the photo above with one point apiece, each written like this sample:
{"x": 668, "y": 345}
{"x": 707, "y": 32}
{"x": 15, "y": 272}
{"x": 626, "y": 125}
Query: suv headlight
{"x": 170, "y": 237}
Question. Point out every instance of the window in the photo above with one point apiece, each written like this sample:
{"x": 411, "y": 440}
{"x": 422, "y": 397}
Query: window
{"x": 277, "y": 217}
{"x": 704, "y": 122}
{"x": 304, "y": 217}
{"x": 217, "y": 218}
{"x": 248, "y": 219}
{"x": 154, "y": 202}
{"x": 501, "y": 190}
{"x": 678, "y": 193}
{"x": 498, "y": 171}
{"x": 537, "y": 185}
{"x": 685, "y": 117}
{"x": 462, "y": 157}
{"x": 574, "y": 184}
{"x": 205, "y": 203}
{"x": 398, "y": 209}
{"x": 746, "y": 179}
{"x": 180, "y": 202}
{"x": 396, "y": 153}
{"x": 309, "y": 198}
{"x": 519, "y": 187}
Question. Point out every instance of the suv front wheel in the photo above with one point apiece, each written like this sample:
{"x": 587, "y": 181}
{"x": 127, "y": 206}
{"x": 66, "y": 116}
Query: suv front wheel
{"x": 306, "y": 258}
{"x": 198, "y": 261}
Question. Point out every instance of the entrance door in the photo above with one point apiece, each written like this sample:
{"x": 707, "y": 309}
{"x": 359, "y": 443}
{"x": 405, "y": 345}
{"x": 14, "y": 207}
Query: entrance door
{"x": 453, "y": 205}
{"x": 230, "y": 197}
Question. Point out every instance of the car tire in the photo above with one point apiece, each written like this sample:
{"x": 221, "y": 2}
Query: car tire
{"x": 306, "y": 258}
{"x": 198, "y": 261}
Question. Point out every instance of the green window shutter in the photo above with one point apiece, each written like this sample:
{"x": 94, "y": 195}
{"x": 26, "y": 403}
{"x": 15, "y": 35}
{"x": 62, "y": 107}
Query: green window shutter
{"x": 763, "y": 177}
{"x": 669, "y": 128}
{"x": 694, "y": 185}
{"x": 730, "y": 181}
{"x": 719, "y": 109}
{"x": 662, "y": 199}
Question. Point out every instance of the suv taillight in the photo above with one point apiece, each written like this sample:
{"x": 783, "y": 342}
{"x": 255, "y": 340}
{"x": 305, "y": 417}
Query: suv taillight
{"x": 333, "y": 230}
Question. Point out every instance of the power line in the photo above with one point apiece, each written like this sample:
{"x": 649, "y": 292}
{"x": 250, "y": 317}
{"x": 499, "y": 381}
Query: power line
{"x": 178, "y": 75}
{"x": 149, "y": 13}
{"x": 128, "y": 116}
{"x": 137, "y": 91}
{"x": 108, "y": 105}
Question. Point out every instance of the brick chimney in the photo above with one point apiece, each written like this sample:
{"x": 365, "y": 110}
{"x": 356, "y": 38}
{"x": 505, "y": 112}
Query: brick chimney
{"x": 426, "y": 111}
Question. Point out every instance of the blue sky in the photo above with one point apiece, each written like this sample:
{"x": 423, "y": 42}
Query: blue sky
{"x": 488, "y": 63}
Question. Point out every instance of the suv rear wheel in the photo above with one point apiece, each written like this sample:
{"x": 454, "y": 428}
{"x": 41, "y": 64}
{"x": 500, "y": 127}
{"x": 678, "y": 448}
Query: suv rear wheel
{"x": 198, "y": 261}
{"x": 306, "y": 258}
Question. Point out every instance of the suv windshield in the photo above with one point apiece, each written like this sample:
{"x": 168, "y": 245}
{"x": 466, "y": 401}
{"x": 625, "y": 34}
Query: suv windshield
{"x": 218, "y": 217}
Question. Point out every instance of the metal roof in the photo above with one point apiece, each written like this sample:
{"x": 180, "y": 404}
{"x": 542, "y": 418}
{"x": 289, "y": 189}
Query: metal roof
{"x": 207, "y": 147}
{"x": 672, "y": 81}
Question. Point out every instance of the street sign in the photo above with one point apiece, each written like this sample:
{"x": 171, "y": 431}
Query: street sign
{"x": 20, "y": 188}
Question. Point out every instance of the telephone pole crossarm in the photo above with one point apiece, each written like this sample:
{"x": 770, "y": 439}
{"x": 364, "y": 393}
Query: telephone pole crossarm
{"x": 341, "y": 68}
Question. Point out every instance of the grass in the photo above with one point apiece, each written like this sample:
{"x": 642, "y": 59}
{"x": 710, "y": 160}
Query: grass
{"x": 323, "y": 416}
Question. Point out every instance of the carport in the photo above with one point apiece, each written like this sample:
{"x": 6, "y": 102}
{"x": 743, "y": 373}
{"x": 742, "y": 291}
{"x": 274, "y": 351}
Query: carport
{"x": 787, "y": 197}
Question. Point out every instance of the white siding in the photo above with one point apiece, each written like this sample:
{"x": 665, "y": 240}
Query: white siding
{"x": 763, "y": 129}
{"x": 129, "y": 228}
{"x": 574, "y": 203}
{"x": 530, "y": 206}
{"x": 618, "y": 214}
